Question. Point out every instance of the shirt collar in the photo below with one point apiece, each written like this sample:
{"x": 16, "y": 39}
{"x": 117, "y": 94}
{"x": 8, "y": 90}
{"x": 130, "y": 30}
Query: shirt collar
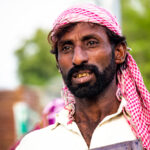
{"x": 62, "y": 116}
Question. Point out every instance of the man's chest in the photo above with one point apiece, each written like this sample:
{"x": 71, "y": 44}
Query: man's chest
{"x": 87, "y": 129}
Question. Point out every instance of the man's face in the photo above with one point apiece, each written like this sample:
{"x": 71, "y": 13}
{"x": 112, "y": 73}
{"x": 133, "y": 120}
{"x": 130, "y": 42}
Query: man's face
{"x": 86, "y": 60}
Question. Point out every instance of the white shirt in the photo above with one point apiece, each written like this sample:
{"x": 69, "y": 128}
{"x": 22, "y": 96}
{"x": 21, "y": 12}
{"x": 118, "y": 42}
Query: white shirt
{"x": 112, "y": 129}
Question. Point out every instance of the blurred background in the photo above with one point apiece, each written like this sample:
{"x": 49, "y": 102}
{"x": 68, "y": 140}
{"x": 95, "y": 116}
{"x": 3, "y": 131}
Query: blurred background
{"x": 29, "y": 79}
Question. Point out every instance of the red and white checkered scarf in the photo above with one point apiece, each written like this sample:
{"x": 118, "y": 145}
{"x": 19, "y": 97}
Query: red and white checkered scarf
{"x": 130, "y": 85}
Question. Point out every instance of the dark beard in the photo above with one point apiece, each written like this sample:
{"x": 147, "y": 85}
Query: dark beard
{"x": 89, "y": 90}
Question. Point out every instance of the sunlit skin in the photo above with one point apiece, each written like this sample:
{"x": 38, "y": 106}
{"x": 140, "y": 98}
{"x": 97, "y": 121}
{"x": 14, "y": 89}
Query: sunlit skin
{"x": 90, "y": 45}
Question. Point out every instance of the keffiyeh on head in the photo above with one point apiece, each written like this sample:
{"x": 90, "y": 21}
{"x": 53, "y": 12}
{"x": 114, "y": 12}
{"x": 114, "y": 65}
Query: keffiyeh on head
{"x": 87, "y": 13}
{"x": 130, "y": 82}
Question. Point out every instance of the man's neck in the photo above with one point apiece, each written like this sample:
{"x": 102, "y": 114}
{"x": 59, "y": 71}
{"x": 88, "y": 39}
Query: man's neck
{"x": 90, "y": 112}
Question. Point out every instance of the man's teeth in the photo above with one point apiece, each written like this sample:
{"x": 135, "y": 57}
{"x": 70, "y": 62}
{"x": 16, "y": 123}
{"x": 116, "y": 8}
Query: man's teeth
{"x": 80, "y": 75}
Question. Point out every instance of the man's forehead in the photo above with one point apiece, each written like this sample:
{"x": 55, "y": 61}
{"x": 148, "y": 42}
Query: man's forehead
{"x": 84, "y": 28}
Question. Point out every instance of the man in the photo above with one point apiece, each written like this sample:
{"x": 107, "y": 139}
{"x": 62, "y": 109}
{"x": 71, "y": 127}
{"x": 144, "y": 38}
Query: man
{"x": 106, "y": 103}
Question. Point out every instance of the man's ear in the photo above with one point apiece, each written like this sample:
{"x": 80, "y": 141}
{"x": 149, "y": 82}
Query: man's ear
{"x": 120, "y": 53}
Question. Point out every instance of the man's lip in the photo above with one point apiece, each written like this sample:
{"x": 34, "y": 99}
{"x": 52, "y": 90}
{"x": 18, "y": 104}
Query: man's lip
{"x": 83, "y": 77}
{"x": 81, "y": 72}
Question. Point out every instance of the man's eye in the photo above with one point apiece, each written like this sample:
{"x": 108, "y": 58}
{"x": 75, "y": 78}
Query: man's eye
{"x": 67, "y": 48}
{"x": 92, "y": 43}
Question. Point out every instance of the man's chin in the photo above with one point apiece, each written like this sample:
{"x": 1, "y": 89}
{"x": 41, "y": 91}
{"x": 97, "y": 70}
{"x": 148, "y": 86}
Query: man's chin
{"x": 83, "y": 91}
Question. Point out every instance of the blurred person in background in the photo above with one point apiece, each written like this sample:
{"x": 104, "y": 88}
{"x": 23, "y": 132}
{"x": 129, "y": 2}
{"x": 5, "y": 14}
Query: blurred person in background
{"x": 48, "y": 118}
{"x": 107, "y": 105}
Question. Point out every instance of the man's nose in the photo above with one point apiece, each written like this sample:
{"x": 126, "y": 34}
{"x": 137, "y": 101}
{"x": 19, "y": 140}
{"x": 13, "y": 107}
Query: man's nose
{"x": 80, "y": 56}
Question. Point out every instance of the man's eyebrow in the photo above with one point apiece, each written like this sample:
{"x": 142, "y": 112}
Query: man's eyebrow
{"x": 87, "y": 37}
{"x": 63, "y": 42}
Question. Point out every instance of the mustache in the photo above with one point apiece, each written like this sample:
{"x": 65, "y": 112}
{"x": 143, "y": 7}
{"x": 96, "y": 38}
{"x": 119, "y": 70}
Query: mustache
{"x": 82, "y": 67}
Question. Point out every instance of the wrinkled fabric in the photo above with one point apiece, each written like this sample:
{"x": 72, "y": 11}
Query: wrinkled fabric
{"x": 69, "y": 137}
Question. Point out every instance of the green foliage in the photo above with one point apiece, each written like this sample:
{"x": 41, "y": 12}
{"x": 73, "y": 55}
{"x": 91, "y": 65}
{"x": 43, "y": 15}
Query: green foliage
{"x": 136, "y": 26}
{"x": 36, "y": 65}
